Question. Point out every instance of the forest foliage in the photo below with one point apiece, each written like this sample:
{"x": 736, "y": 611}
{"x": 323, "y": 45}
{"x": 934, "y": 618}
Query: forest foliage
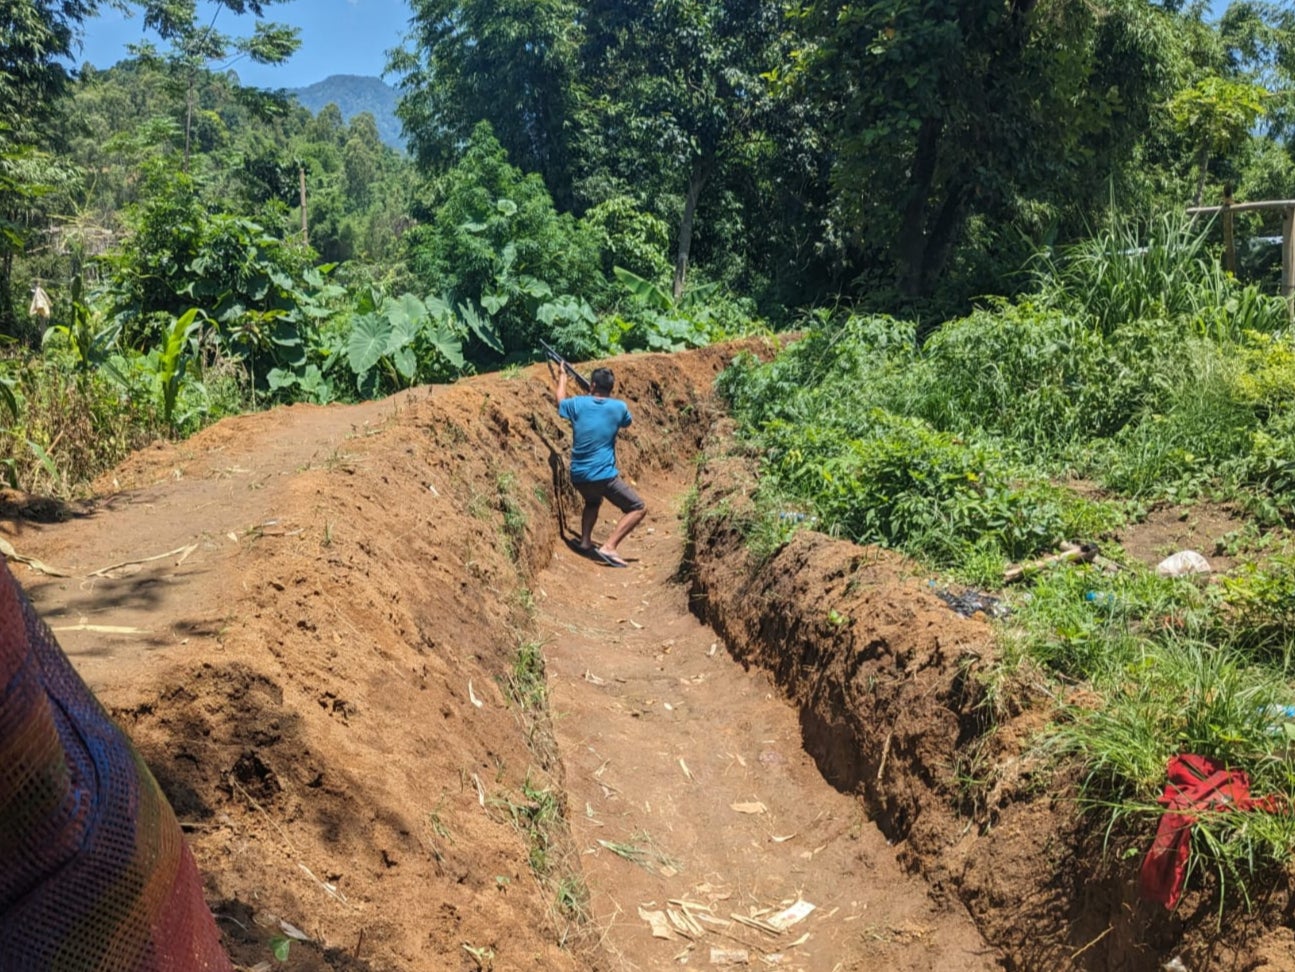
{"x": 611, "y": 177}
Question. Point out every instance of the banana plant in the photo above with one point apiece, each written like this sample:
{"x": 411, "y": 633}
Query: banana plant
{"x": 89, "y": 345}
{"x": 172, "y": 361}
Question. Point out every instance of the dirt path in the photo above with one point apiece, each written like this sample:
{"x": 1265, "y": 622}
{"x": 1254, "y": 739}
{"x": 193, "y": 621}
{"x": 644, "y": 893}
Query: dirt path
{"x": 687, "y": 782}
{"x": 153, "y": 565}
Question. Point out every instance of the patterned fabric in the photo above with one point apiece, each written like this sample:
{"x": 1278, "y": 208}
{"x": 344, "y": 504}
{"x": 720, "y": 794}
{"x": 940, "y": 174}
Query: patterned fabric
{"x": 96, "y": 875}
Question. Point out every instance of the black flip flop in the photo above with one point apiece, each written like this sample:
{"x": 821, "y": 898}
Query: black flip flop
{"x": 611, "y": 560}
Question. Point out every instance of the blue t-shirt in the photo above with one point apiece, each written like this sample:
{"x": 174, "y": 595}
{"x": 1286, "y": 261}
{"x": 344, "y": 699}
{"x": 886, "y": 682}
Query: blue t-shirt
{"x": 594, "y": 424}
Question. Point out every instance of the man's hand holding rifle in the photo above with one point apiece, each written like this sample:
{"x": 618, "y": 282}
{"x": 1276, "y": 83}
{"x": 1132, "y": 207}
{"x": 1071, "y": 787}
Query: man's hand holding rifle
{"x": 566, "y": 367}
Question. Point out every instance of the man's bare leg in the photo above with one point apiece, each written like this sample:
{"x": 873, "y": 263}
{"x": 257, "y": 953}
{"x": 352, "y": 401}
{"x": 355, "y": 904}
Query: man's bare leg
{"x": 588, "y": 520}
{"x": 627, "y": 523}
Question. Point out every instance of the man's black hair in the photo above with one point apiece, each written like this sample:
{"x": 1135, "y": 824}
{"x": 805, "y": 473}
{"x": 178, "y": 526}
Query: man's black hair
{"x": 602, "y": 380}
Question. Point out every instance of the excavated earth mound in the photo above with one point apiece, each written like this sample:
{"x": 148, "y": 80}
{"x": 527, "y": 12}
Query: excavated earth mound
{"x": 327, "y": 630}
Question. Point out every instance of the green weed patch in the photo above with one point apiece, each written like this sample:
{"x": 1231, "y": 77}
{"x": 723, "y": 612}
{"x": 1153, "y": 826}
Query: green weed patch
{"x": 1139, "y": 366}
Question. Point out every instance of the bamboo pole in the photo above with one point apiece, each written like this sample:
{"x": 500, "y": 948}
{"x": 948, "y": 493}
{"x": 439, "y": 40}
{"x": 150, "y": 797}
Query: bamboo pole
{"x": 1229, "y": 238}
{"x": 1288, "y": 256}
{"x": 1243, "y": 207}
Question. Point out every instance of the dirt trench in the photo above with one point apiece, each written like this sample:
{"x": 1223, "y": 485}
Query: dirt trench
{"x": 319, "y": 626}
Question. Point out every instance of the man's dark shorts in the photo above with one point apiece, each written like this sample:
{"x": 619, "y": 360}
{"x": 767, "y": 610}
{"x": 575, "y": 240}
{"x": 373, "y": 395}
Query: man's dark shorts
{"x": 616, "y": 491}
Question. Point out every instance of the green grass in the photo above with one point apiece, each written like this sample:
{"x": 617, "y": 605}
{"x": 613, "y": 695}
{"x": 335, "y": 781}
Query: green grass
{"x": 527, "y": 682}
{"x": 1139, "y": 366}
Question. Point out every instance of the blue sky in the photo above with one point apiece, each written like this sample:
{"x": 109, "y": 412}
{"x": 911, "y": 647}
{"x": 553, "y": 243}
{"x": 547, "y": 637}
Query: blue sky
{"x": 337, "y": 37}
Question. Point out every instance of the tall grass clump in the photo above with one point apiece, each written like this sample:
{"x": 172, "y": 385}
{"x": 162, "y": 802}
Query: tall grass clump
{"x": 1178, "y": 444}
{"x": 1188, "y": 696}
{"x": 1208, "y": 357}
{"x": 1154, "y": 269}
{"x": 60, "y": 429}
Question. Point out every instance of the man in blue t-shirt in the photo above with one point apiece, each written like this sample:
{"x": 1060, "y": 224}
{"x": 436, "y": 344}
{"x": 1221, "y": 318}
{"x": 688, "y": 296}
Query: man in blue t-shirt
{"x": 595, "y": 419}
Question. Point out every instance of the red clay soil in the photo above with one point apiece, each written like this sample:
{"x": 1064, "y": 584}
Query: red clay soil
{"x": 319, "y": 626}
{"x": 687, "y": 783}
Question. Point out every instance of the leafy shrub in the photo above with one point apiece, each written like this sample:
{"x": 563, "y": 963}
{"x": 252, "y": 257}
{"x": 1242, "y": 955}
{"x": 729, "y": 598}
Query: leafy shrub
{"x": 1264, "y": 474}
{"x": 897, "y": 482}
{"x": 959, "y": 501}
{"x": 1267, "y": 375}
{"x": 629, "y": 237}
{"x": 1042, "y": 379}
{"x": 491, "y": 238}
{"x": 403, "y": 341}
{"x": 655, "y": 321}
{"x": 1259, "y": 608}
{"x": 851, "y": 353}
{"x": 179, "y": 255}
{"x": 259, "y": 295}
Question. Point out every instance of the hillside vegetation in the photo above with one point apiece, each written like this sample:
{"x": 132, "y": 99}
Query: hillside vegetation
{"x": 355, "y": 95}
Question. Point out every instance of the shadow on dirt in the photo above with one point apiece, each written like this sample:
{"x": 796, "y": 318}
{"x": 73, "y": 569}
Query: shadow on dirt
{"x": 33, "y": 508}
{"x": 230, "y": 756}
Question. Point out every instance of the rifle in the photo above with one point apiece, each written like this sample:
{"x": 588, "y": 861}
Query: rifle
{"x": 566, "y": 366}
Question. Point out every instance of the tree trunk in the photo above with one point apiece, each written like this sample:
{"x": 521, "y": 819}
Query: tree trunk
{"x": 305, "y": 226}
{"x": 1203, "y": 160}
{"x": 700, "y": 173}
{"x": 188, "y": 120}
{"x": 943, "y": 234}
{"x": 912, "y": 242}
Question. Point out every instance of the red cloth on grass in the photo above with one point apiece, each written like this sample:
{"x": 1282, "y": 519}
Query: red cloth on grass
{"x": 1195, "y": 783}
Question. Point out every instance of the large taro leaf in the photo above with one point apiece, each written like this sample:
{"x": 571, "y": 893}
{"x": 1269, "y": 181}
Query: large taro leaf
{"x": 484, "y": 329}
{"x": 407, "y": 315}
{"x": 406, "y": 363}
{"x": 442, "y": 337}
{"x": 370, "y": 336}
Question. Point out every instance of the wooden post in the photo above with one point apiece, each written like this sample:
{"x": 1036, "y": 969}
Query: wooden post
{"x": 305, "y": 231}
{"x": 1229, "y": 240}
{"x": 1288, "y": 256}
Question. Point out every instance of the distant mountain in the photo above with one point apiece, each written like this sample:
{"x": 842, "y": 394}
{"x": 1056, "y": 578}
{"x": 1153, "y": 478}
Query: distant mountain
{"x": 354, "y": 95}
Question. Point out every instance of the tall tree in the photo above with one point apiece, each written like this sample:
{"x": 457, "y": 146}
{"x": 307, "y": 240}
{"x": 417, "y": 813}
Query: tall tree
{"x": 1216, "y": 113}
{"x": 511, "y": 63}
{"x": 36, "y": 37}
{"x": 678, "y": 93}
{"x": 942, "y": 110}
{"x": 196, "y": 48}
